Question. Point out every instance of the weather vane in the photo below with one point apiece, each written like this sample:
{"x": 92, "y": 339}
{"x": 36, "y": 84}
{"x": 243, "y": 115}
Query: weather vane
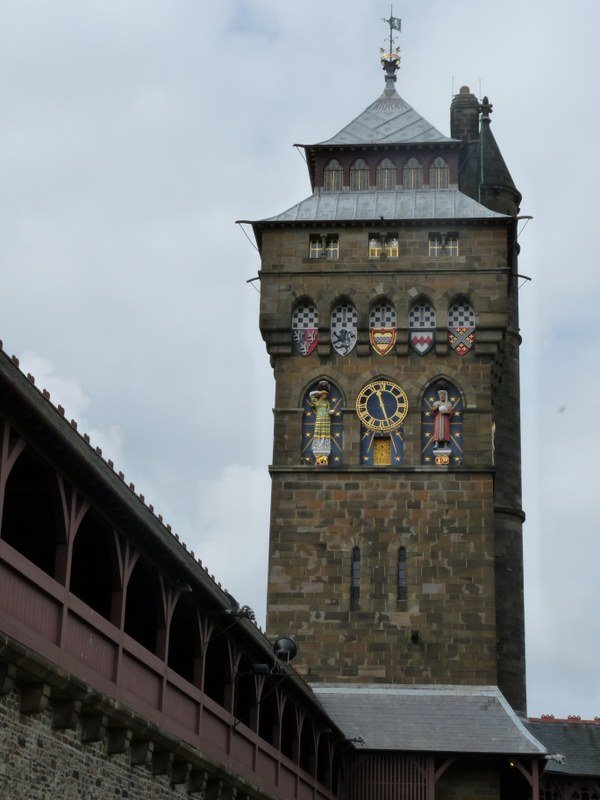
{"x": 395, "y": 24}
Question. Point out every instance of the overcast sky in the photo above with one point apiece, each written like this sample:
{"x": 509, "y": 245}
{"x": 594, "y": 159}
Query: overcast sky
{"x": 134, "y": 132}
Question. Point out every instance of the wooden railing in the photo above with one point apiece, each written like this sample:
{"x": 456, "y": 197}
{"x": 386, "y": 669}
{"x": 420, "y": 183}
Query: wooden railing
{"x": 40, "y": 614}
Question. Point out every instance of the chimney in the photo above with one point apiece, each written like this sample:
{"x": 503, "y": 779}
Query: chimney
{"x": 464, "y": 116}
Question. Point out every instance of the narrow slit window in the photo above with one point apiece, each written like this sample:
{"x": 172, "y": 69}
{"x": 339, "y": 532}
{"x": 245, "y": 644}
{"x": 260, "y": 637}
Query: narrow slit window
{"x": 401, "y": 574}
{"x": 355, "y": 578}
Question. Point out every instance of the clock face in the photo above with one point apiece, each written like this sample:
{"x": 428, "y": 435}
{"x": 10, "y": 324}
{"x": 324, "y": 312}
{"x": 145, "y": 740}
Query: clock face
{"x": 382, "y": 405}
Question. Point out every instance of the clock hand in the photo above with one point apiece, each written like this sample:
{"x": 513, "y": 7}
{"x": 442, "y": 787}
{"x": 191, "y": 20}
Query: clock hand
{"x": 382, "y": 405}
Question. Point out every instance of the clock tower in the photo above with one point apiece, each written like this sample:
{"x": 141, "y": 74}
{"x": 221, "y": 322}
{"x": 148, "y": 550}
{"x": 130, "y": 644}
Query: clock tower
{"x": 389, "y": 312}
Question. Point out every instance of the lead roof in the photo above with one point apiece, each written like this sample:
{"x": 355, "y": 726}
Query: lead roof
{"x": 389, "y": 120}
{"x": 389, "y": 205}
{"x": 449, "y": 719}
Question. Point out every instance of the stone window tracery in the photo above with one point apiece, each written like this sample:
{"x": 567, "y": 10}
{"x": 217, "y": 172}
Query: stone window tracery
{"x": 443, "y": 244}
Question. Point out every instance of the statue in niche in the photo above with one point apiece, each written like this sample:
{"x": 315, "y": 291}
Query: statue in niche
{"x": 443, "y": 411}
{"x": 321, "y": 441}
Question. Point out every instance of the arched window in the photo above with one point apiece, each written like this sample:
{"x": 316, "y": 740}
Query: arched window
{"x": 421, "y": 327}
{"x": 439, "y": 174}
{"x": 382, "y": 328}
{"x": 412, "y": 175}
{"x": 184, "y": 640}
{"x": 322, "y": 425}
{"x": 289, "y": 731}
{"x": 32, "y": 521}
{"x": 308, "y": 754}
{"x": 442, "y": 424}
{"x": 141, "y": 606}
{"x": 386, "y": 175}
{"x": 401, "y": 574}
{"x": 359, "y": 176}
{"x": 93, "y": 564}
{"x": 344, "y": 328}
{"x": 461, "y": 327}
{"x": 305, "y": 330}
{"x": 333, "y": 176}
{"x": 217, "y": 669}
{"x": 355, "y": 578}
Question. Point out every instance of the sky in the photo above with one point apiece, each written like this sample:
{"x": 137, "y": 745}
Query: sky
{"x": 133, "y": 133}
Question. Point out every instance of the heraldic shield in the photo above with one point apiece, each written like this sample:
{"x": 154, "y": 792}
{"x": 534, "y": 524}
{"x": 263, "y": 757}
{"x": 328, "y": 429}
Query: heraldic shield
{"x": 422, "y": 340}
{"x": 305, "y": 329}
{"x": 305, "y": 340}
{"x": 382, "y": 340}
{"x": 461, "y": 339}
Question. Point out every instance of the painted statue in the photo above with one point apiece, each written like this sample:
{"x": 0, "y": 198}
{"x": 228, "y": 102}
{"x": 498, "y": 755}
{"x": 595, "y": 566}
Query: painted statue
{"x": 442, "y": 415}
{"x": 321, "y": 441}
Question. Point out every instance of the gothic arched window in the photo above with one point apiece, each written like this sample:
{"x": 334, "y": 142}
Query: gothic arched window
{"x": 439, "y": 174}
{"x": 333, "y": 176}
{"x": 305, "y": 329}
{"x": 355, "y": 578}
{"x": 421, "y": 327}
{"x": 442, "y": 424}
{"x": 412, "y": 175}
{"x": 461, "y": 327}
{"x": 322, "y": 425}
{"x": 386, "y": 174}
{"x": 359, "y": 176}
{"x": 344, "y": 327}
{"x": 382, "y": 328}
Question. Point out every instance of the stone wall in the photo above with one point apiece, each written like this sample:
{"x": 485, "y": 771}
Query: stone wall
{"x": 41, "y": 762}
{"x": 444, "y": 632}
{"x": 460, "y": 527}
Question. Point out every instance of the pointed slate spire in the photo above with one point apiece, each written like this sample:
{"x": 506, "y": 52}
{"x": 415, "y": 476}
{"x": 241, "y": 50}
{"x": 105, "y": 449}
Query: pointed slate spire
{"x": 497, "y": 189}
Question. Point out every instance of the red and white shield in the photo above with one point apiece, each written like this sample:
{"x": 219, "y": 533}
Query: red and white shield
{"x": 422, "y": 340}
{"x": 461, "y": 339}
{"x": 382, "y": 340}
{"x": 305, "y": 340}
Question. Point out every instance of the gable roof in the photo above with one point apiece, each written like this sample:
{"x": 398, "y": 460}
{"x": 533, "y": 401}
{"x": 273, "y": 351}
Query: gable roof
{"x": 389, "y": 120}
{"x": 449, "y": 719}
